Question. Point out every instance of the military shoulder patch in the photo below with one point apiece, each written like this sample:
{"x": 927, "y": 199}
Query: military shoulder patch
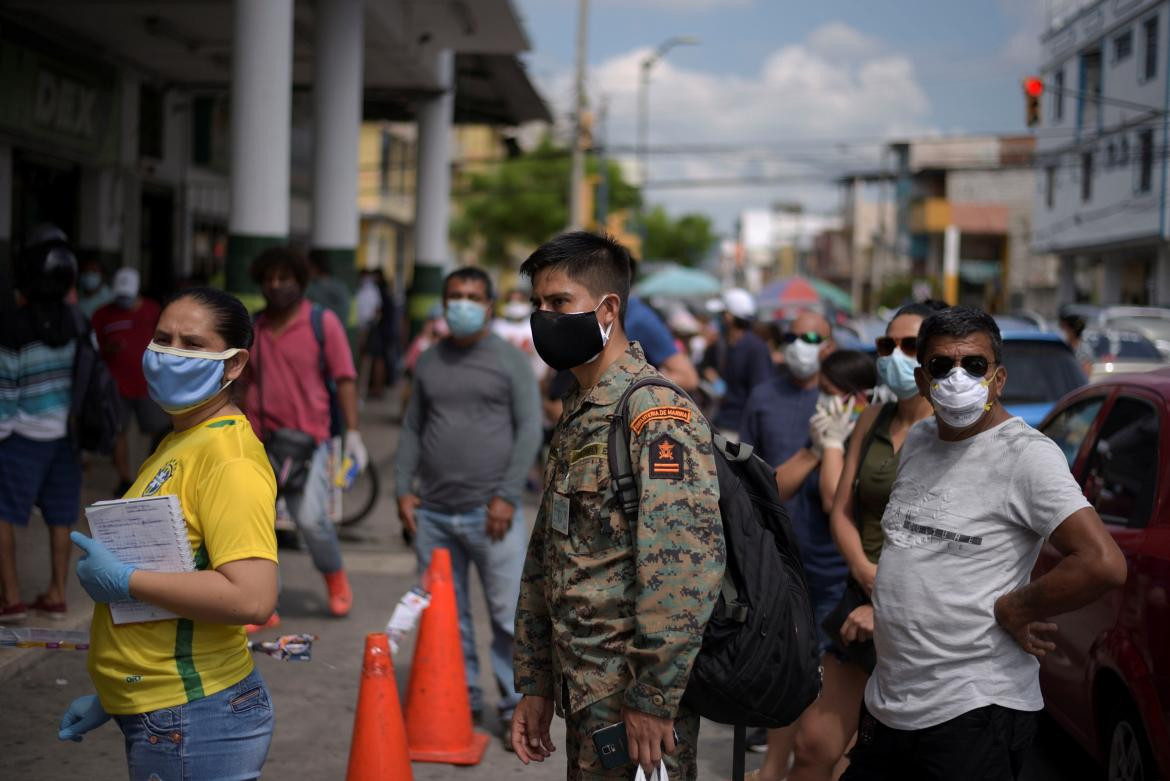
{"x": 660, "y": 413}
{"x": 667, "y": 458}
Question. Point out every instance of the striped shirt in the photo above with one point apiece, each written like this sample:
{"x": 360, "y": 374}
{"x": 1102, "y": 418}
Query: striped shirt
{"x": 36, "y": 389}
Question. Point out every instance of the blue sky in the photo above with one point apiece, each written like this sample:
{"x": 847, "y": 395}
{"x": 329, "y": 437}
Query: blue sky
{"x": 792, "y": 74}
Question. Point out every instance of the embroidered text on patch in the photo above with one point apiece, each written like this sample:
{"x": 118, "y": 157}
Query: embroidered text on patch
{"x": 660, "y": 413}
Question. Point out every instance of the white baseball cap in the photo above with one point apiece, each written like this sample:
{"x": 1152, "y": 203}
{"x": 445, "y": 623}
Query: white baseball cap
{"x": 739, "y": 303}
{"x": 126, "y": 282}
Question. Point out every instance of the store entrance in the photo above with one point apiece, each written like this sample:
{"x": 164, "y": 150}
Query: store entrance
{"x": 45, "y": 189}
{"x": 157, "y": 243}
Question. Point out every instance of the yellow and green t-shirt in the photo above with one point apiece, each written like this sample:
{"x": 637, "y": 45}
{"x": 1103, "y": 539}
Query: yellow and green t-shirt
{"x": 224, "y": 482}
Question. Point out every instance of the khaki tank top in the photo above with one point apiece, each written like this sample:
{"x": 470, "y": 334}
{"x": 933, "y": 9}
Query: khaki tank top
{"x": 875, "y": 480}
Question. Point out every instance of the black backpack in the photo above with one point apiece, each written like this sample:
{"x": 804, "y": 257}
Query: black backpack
{"x": 759, "y": 664}
{"x": 95, "y": 409}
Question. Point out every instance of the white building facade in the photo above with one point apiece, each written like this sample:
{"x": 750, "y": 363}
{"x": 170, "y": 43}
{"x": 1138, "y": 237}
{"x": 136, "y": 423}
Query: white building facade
{"x": 1101, "y": 151}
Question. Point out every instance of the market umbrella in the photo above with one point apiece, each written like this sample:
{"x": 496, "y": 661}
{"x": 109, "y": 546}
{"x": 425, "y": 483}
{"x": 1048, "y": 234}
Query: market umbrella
{"x": 833, "y": 294}
{"x": 795, "y": 292}
{"x": 678, "y": 282}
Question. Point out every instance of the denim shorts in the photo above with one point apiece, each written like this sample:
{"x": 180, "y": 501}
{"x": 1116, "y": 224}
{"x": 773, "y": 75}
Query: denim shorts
{"x": 44, "y": 474}
{"x": 223, "y": 737}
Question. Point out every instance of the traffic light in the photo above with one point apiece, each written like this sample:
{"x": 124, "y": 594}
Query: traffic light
{"x": 1033, "y": 89}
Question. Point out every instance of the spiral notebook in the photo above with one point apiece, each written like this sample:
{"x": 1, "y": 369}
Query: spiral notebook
{"x": 149, "y": 533}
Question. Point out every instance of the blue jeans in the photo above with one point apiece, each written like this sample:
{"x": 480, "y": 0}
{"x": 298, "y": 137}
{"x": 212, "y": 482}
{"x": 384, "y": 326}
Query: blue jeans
{"x": 309, "y": 510}
{"x": 500, "y": 565}
{"x": 223, "y": 737}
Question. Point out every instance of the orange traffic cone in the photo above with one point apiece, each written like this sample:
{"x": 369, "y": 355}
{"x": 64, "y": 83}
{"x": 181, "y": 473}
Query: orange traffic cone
{"x": 378, "y": 752}
{"x": 438, "y": 713}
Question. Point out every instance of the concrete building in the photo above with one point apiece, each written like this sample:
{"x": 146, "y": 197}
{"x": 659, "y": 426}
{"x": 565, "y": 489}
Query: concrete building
{"x": 778, "y": 242}
{"x": 976, "y": 189}
{"x": 1101, "y": 150}
{"x": 182, "y": 138}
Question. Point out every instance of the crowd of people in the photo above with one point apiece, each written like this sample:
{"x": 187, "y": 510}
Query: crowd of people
{"x": 917, "y": 502}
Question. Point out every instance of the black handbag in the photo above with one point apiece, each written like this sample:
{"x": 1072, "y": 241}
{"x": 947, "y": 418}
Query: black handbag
{"x": 291, "y": 454}
{"x": 861, "y": 654}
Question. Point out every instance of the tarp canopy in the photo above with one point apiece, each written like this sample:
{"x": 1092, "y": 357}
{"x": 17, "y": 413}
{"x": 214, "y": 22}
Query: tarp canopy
{"x": 678, "y": 282}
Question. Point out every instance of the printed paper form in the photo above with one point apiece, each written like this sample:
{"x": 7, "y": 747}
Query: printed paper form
{"x": 149, "y": 533}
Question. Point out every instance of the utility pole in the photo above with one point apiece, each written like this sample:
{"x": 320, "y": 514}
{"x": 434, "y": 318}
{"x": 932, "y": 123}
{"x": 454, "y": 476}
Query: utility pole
{"x": 603, "y": 164}
{"x": 577, "y": 178}
{"x": 643, "y": 118}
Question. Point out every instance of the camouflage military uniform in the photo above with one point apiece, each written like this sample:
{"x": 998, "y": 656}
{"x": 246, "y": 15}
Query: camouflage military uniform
{"x": 609, "y": 615}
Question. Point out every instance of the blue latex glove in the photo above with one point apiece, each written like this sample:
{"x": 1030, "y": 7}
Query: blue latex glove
{"x": 83, "y": 714}
{"x": 104, "y": 577}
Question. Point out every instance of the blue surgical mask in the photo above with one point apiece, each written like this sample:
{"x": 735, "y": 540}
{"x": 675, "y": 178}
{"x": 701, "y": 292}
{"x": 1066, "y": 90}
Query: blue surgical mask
{"x": 464, "y": 317}
{"x": 896, "y": 371}
{"x": 90, "y": 280}
{"x": 182, "y": 380}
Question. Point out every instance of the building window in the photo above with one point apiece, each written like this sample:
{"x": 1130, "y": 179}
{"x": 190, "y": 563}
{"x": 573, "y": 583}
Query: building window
{"x": 1150, "y": 35}
{"x": 1091, "y": 89}
{"x": 1086, "y": 176}
{"x": 1146, "y": 158}
{"x": 1123, "y": 46}
{"x": 1058, "y": 95}
{"x": 1050, "y": 186}
{"x": 150, "y": 122}
{"x": 1123, "y": 151}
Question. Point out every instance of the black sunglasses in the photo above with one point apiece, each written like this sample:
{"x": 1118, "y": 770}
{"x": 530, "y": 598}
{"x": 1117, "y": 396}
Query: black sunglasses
{"x": 811, "y": 337}
{"x": 887, "y": 344}
{"x": 940, "y": 366}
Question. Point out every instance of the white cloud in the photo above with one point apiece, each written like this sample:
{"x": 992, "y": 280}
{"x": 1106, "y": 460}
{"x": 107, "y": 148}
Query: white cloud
{"x": 838, "y": 83}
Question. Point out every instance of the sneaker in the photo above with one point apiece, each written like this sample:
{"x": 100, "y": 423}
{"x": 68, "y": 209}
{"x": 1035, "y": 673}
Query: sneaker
{"x": 757, "y": 740}
{"x": 272, "y": 622}
{"x": 55, "y": 610}
{"x": 340, "y": 596}
{"x": 13, "y": 613}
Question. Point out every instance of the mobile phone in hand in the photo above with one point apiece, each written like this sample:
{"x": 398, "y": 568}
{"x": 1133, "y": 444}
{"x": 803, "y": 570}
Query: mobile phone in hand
{"x": 612, "y": 745}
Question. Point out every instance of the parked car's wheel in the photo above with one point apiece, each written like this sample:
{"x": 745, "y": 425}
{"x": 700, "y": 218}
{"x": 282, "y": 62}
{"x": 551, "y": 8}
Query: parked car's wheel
{"x": 1128, "y": 752}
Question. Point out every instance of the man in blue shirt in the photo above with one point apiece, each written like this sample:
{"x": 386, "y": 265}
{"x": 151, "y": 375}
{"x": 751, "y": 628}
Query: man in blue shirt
{"x": 775, "y": 423}
{"x": 644, "y": 326}
{"x": 741, "y": 359}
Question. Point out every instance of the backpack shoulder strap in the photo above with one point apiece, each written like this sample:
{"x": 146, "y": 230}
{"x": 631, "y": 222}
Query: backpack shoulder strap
{"x": 317, "y": 321}
{"x": 621, "y": 467}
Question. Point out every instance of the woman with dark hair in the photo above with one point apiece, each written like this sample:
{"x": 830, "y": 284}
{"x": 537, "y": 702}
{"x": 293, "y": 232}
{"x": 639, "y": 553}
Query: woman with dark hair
{"x": 862, "y": 490}
{"x": 846, "y": 381}
{"x": 194, "y": 707}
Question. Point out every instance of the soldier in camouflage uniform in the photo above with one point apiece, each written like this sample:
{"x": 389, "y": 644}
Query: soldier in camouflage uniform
{"x": 611, "y": 613}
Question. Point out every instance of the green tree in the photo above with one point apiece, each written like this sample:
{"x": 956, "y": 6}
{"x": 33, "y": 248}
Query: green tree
{"x": 685, "y": 240}
{"x": 525, "y": 201}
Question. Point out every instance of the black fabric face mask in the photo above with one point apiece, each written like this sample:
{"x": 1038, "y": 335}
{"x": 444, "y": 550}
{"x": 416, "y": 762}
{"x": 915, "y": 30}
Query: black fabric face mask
{"x": 567, "y": 340}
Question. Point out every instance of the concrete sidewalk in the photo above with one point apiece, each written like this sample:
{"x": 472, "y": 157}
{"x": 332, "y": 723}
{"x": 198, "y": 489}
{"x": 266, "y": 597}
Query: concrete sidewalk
{"x": 314, "y": 701}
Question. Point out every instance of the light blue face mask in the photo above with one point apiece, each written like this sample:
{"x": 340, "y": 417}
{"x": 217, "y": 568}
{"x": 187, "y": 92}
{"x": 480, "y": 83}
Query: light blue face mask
{"x": 896, "y": 372}
{"x": 464, "y": 317}
{"x": 182, "y": 380}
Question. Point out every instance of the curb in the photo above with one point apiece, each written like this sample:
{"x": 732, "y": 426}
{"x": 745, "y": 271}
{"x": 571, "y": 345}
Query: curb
{"x": 14, "y": 661}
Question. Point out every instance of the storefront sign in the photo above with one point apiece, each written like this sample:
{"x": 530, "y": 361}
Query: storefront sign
{"x": 57, "y": 104}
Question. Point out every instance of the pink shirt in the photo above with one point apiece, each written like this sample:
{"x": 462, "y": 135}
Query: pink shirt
{"x": 290, "y": 378}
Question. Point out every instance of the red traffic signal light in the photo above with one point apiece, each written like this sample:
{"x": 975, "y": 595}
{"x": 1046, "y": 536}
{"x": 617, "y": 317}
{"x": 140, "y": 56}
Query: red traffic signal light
{"x": 1033, "y": 89}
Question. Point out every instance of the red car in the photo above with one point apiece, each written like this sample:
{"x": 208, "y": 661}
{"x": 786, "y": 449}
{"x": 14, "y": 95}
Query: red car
{"x": 1108, "y": 681}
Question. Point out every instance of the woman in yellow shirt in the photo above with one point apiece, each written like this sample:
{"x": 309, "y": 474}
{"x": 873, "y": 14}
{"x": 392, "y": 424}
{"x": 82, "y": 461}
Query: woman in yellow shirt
{"x": 184, "y": 691}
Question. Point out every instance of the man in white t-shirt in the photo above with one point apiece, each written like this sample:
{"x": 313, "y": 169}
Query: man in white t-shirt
{"x": 958, "y": 626}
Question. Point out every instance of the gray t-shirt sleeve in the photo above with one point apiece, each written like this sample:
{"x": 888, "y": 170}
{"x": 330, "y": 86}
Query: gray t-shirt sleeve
{"x": 409, "y": 452}
{"x": 1043, "y": 492}
{"x": 526, "y": 422}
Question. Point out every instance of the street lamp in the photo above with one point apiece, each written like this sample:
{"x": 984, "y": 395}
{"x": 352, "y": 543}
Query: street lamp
{"x": 644, "y": 109}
